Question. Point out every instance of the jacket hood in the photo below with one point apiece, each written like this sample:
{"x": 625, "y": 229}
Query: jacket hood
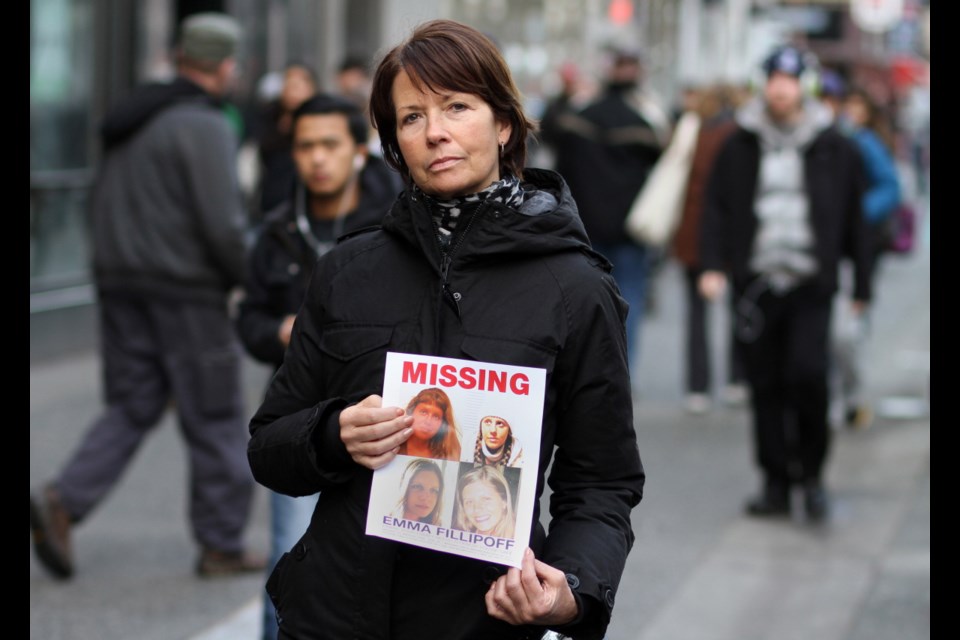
{"x": 379, "y": 188}
{"x": 547, "y": 223}
{"x": 129, "y": 115}
{"x": 814, "y": 118}
{"x": 380, "y": 185}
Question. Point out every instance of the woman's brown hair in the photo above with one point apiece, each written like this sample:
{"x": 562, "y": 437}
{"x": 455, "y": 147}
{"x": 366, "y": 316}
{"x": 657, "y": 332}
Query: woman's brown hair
{"x": 877, "y": 118}
{"x": 445, "y": 445}
{"x": 444, "y": 55}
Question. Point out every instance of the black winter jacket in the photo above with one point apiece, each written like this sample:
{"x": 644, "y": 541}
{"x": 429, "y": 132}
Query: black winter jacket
{"x": 605, "y": 154}
{"x": 833, "y": 172}
{"x": 516, "y": 289}
{"x": 281, "y": 262}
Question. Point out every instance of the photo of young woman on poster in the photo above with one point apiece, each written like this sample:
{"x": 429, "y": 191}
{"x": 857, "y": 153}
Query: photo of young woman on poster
{"x": 421, "y": 498}
{"x": 435, "y": 433}
{"x": 484, "y": 502}
{"x": 496, "y": 444}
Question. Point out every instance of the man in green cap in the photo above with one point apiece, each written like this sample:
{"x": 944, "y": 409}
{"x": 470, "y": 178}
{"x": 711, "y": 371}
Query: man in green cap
{"x": 168, "y": 249}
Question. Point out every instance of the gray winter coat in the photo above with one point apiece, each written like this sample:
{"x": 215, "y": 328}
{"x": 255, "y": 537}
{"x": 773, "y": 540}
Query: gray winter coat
{"x": 167, "y": 212}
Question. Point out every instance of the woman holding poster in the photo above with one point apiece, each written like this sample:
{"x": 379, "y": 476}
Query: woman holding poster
{"x": 479, "y": 259}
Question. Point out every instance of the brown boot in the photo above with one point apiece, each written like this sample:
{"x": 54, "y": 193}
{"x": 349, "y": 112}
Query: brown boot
{"x": 214, "y": 564}
{"x": 50, "y": 526}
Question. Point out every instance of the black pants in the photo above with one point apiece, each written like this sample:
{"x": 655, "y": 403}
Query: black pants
{"x": 697, "y": 346}
{"x": 155, "y": 352}
{"x": 785, "y": 342}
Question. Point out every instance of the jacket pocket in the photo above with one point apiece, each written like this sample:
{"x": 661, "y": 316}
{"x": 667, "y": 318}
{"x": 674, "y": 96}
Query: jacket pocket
{"x": 520, "y": 353}
{"x": 293, "y": 587}
{"x": 218, "y": 382}
{"x": 273, "y": 581}
{"x": 346, "y": 343}
{"x": 355, "y": 357}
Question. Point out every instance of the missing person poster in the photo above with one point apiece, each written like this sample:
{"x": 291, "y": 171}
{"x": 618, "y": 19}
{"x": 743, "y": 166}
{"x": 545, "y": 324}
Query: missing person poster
{"x": 465, "y": 480}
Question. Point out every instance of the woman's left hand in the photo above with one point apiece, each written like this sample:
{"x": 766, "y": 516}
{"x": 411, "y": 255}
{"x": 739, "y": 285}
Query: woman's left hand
{"x": 536, "y": 593}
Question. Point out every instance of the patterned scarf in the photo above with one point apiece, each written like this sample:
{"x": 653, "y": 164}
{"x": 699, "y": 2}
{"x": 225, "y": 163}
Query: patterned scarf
{"x": 449, "y": 214}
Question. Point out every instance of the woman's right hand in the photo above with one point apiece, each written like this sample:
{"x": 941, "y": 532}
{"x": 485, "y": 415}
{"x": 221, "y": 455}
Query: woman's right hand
{"x": 373, "y": 433}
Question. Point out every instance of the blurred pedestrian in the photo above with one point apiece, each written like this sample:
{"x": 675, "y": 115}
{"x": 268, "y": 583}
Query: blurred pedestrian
{"x": 339, "y": 188}
{"x": 481, "y": 259}
{"x": 861, "y": 117}
{"x": 605, "y": 154}
{"x": 831, "y": 89}
{"x": 353, "y": 79}
{"x": 167, "y": 225}
{"x": 567, "y": 99}
{"x": 783, "y": 208}
{"x": 277, "y": 172}
{"x": 715, "y": 106}
{"x": 689, "y": 97}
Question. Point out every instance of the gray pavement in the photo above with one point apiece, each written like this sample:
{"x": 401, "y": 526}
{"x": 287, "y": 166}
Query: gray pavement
{"x": 699, "y": 570}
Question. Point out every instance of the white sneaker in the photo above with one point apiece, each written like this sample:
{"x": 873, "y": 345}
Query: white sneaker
{"x": 697, "y": 403}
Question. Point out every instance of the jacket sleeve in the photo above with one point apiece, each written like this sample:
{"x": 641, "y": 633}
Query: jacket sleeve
{"x": 258, "y": 318}
{"x": 883, "y": 192}
{"x": 209, "y": 152}
{"x": 857, "y": 238}
{"x": 715, "y": 223}
{"x": 295, "y": 446}
{"x": 596, "y": 477}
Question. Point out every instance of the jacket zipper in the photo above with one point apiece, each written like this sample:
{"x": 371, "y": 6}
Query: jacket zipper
{"x": 446, "y": 260}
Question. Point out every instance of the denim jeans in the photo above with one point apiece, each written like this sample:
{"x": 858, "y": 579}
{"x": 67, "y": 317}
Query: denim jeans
{"x": 289, "y": 519}
{"x": 631, "y": 270}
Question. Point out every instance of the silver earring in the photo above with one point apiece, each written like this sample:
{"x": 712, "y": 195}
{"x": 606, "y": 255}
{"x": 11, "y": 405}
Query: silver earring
{"x": 502, "y": 143}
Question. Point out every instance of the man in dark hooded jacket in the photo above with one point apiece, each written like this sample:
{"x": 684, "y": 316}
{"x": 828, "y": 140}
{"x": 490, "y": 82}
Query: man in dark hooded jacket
{"x": 168, "y": 245}
{"x": 339, "y": 188}
{"x": 605, "y": 153}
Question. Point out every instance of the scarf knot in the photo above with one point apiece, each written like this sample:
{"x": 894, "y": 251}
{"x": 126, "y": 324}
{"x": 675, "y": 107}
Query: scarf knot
{"x": 451, "y": 213}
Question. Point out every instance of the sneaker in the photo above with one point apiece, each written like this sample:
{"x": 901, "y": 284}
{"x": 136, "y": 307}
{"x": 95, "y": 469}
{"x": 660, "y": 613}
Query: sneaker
{"x": 50, "y": 526}
{"x": 697, "y": 403}
{"x": 735, "y": 394}
{"x": 215, "y": 564}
